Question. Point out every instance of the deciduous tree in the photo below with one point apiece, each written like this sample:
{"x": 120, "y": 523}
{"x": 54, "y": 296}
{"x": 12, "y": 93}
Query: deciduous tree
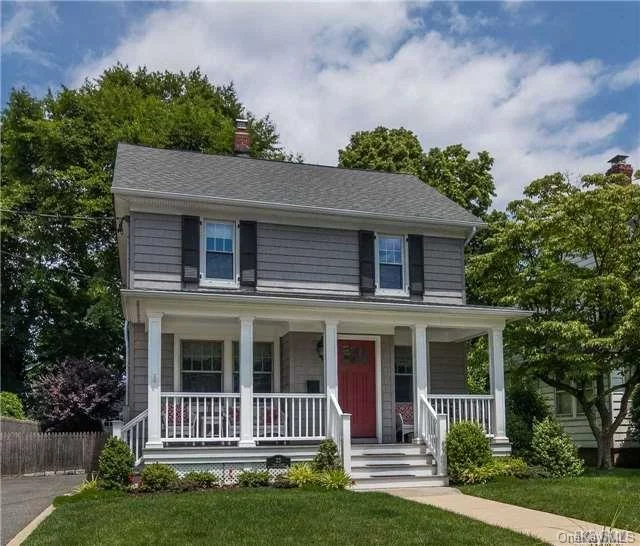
{"x": 571, "y": 254}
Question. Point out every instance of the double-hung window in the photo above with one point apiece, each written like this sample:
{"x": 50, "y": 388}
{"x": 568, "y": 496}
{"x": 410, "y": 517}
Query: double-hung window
{"x": 391, "y": 270}
{"x": 219, "y": 253}
{"x": 202, "y": 366}
{"x": 403, "y": 373}
{"x": 262, "y": 367}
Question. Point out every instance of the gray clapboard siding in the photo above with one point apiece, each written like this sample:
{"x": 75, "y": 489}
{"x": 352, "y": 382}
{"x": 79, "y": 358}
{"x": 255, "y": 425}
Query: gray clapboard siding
{"x": 156, "y": 251}
{"x": 138, "y": 389}
{"x": 448, "y": 362}
{"x": 443, "y": 269}
{"x": 300, "y": 361}
{"x": 325, "y": 260}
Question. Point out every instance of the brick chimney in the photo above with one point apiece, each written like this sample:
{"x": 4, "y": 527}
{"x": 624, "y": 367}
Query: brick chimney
{"x": 620, "y": 166}
{"x": 242, "y": 139}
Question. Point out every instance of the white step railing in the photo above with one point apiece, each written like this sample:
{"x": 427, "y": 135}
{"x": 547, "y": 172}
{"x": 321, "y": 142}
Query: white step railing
{"x": 433, "y": 429}
{"x": 134, "y": 433}
{"x": 289, "y": 416}
{"x": 200, "y": 417}
{"x": 339, "y": 424}
{"x": 465, "y": 407}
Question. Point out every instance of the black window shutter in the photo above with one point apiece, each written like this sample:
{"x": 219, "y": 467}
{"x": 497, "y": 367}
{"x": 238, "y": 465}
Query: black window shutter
{"x": 367, "y": 262}
{"x": 416, "y": 265}
{"x": 190, "y": 248}
{"x": 248, "y": 254}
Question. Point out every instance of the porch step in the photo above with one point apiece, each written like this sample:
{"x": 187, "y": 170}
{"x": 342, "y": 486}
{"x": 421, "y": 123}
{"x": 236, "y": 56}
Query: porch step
{"x": 383, "y": 466}
{"x": 387, "y": 449}
{"x": 396, "y": 482}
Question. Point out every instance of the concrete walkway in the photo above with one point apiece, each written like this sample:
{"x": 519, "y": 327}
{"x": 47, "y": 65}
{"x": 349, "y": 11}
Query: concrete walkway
{"x": 24, "y": 497}
{"x": 551, "y": 528}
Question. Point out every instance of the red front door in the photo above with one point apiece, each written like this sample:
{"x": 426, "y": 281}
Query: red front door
{"x": 357, "y": 385}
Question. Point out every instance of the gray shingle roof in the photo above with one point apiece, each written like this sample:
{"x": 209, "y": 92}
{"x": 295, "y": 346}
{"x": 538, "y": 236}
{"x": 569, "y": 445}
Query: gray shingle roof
{"x": 280, "y": 183}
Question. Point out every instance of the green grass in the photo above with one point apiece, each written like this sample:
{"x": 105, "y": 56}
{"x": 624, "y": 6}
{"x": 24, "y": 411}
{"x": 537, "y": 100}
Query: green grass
{"x": 262, "y": 517}
{"x": 598, "y": 496}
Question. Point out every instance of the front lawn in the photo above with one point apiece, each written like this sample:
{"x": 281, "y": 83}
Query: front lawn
{"x": 262, "y": 517}
{"x": 597, "y": 496}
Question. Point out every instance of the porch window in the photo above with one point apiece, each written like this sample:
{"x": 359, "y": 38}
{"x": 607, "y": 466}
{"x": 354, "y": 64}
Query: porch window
{"x": 262, "y": 367}
{"x": 218, "y": 249}
{"x": 202, "y": 366}
{"x": 391, "y": 263}
{"x": 403, "y": 373}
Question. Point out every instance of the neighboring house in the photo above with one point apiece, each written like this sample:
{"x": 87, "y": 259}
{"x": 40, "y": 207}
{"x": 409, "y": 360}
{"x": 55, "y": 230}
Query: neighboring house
{"x": 270, "y": 305}
{"x": 569, "y": 413}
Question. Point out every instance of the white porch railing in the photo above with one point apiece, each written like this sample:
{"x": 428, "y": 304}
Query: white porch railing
{"x": 465, "y": 407}
{"x": 200, "y": 417}
{"x": 339, "y": 424}
{"x": 135, "y": 433}
{"x": 433, "y": 429}
{"x": 289, "y": 416}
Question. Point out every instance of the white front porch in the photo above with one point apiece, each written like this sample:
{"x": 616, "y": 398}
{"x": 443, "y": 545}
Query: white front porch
{"x": 240, "y": 418}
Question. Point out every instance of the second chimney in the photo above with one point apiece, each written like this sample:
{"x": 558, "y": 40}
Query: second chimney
{"x": 242, "y": 139}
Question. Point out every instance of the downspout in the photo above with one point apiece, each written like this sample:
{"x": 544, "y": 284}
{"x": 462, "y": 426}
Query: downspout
{"x": 471, "y": 235}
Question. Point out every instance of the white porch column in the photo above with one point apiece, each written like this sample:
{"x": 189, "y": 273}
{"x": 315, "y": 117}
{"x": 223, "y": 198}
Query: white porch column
{"x": 246, "y": 382}
{"x": 420, "y": 373}
{"x": 496, "y": 376}
{"x": 154, "y": 352}
{"x": 331, "y": 357}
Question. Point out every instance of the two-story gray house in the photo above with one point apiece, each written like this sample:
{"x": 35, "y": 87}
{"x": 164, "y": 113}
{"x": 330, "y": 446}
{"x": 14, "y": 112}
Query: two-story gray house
{"x": 270, "y": 305}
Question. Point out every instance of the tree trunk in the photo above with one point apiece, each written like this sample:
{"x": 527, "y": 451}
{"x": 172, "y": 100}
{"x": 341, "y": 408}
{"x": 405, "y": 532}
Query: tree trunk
{"x": 605, "y": 444}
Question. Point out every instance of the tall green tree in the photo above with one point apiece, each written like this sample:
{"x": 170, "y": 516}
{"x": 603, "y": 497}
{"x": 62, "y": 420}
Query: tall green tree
{"x": 571, "y": 254}
{"x": 464, "y": 179}
{"x": 60, "y": 275}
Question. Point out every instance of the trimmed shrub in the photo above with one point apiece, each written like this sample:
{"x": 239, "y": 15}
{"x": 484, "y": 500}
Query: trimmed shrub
{"x": 334, "y": 479}
{"x": 11, "y": 405}
{"x": 158, "y": 477}
{"x": 467, "y": 447}
{"x": 302, "y": 475}
{"x": 199, "y": 480}
{"x": 554, "y": 450}
{"x": 114, "y": 464}
{"x": 327, "y": 457}
{"x": 253, "y": 478}
{"x": 499, "y": 467}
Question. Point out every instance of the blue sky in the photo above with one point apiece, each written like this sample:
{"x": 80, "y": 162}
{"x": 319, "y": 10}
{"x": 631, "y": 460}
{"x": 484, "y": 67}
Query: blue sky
{"x": 543, "y": 86}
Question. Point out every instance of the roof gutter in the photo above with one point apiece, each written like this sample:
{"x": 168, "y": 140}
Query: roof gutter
{"x": 286, "y": 207}
{"x": 509, "y": 313}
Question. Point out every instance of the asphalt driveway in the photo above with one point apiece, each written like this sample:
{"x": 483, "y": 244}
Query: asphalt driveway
{"x": 22, "y": 498}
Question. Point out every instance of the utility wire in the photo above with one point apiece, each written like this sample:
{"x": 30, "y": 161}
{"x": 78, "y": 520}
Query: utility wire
{"x": 61, "y": 216}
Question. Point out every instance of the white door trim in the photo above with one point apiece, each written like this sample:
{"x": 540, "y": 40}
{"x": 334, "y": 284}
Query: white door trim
{"x": 378, "y": 378}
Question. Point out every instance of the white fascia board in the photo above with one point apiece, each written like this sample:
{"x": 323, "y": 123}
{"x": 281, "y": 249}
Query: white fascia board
{"x": 292, "y": 308}
{"x": 467, "y": 226}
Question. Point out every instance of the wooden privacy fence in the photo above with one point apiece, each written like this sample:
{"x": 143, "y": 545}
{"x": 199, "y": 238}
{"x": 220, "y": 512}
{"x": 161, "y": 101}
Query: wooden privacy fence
{"x": 38, "y": 452}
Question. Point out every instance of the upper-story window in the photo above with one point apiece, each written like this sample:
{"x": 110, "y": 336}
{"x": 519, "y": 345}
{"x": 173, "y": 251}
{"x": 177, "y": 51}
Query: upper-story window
{"x": 219, "y": 253}
{"x": 391, "y": 264}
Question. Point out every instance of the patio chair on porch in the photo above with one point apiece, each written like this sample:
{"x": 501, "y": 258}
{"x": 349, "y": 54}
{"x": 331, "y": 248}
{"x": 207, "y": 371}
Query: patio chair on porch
{"x": 404, "y": 420}
{"x": 185, "y": 423}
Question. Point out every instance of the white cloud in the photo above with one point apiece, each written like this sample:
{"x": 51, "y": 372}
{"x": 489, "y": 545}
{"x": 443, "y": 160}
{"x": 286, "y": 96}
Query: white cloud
{"x": 326, "y": 71}
{"x": 19, "y": 30}
{"x": 626, "y": 77}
